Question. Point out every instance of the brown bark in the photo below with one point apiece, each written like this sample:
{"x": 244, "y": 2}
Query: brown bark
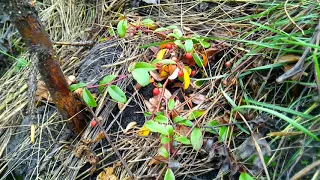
{"x": 23, "y": 15}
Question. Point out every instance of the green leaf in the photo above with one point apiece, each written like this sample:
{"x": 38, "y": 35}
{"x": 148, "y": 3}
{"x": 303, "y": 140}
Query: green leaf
{"x": 88, "y": 98}
{"x": 161, "y": 119}
{"x": 155, "y": 127}
{"x": 178, "y": 119}
{"x": 165, "y": 140}
{"x": 183, "y": 140}
{"x": 167, "y": 61}
{"x": 197, "y": 59}
{"x": 105, "y": 81}
{"x": 196, "y": 138}
{"x": 156, "y": 61}
{"x": 204, "y": 43}
{"x": 170, "y": 104}
{"x": 111, "y": 31}
{"x": 117, "y": 94}
{"x": 147, "y": 22}
{"x": 163, "y": 152}
{"x": 169, "y": 175}
{"x": 145, "y": 66}
{"x": 172, "y": 27}
{"x": 76, "y": 86}
{"x": 188, "y": 45}
{"x": 160, "y": 113}
{"x": 141, "y": 76}
{"x": 147, "y": 114}
{"x": 173, "y": 35}
{"x": 21, "y": 63}
{"x": 212, "y": 123}
{"x": 161, "y": 29}
{"x": 186, "y": 123}
{"x": 122, "y": 28}
{"x": 245, "y": 176}
{"x": 170, "y": 130}
{"x": 222, "y": 133}
{"x": 179, "y": 43}
{"x": 196, "y": 114}
{"x": 177, "y": 32}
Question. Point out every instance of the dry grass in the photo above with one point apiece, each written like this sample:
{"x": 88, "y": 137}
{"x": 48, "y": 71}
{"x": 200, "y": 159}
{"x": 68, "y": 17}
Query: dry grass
{"x": 244, "y": 44}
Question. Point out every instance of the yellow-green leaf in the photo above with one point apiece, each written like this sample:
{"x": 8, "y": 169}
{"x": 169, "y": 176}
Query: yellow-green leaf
{"x": 195, "y": 114}
{"x": 169, "y": 175}
{"x": 122, "y": 28}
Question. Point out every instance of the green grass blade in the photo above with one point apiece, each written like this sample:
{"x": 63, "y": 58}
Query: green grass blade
{"x": 279, "y": 108}
{"x": 281, "y": 116}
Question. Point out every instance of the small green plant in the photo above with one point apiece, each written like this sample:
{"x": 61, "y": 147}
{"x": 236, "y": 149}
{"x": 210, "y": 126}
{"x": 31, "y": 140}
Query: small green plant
{"x": 114, "y": 91}
{"x": 170, "y": 67}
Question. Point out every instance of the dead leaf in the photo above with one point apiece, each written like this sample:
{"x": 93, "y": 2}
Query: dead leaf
{"x": 107, "y": 174}
{"x": 211, "y": 52}
{"x": 157, "y": 160}
{"x": 247, "y": 148}
{"x": 71, "y": 79}
{"x": 99, "y": 137}
{"x": 182, "y": 130}
{"x": 198, "y": 98}
{"x": 42, "y": 92}
{"x": 288, "y": 58}
{"x": 155, "y": 74}
{"x": 78, "y": 92}
{"x": 130, "y": 126}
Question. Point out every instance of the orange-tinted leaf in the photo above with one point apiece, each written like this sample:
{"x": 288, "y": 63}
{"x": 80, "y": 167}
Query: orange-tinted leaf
{"x": 205, "y": 60}
{"x": 186, "y": 79}
{"x": 171, "y": 68}
{"x": 143, "y": 132}
{"x": 174, "y": 75}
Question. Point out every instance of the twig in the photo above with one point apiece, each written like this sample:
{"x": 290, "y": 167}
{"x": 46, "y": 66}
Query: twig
{"x": 303, "y": 171}
{"x": 84, "y": 43}
{"x": 292, "y": 21}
